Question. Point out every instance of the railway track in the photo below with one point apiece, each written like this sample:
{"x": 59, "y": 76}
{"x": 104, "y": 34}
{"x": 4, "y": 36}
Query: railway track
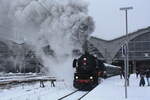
{"x": 73, "y": 93}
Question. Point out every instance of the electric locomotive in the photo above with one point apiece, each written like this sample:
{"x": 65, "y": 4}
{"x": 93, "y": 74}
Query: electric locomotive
{"x": 88, "y": 70}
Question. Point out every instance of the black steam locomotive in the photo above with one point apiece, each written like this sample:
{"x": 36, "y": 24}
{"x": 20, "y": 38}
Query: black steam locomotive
{"x": 88, "y": 70}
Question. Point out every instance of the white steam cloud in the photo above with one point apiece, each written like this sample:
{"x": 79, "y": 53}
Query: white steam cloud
{"x": 64, "y": 25}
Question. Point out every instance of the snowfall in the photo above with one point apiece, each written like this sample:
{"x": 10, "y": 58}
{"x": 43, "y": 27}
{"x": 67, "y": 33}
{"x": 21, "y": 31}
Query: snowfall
{"x": 109, "y": 89}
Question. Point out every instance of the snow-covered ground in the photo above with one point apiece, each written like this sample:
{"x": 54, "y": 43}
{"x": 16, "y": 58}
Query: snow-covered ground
{"x": 109, "y": 89}
{"x": 113, "y": 89}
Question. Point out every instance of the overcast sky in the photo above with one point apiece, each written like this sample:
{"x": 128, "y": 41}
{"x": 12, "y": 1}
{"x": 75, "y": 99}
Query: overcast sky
{"x": 110, "y": 21}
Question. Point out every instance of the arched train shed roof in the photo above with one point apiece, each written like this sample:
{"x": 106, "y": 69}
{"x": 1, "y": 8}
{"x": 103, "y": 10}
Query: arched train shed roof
{"x": 109, "y": 48}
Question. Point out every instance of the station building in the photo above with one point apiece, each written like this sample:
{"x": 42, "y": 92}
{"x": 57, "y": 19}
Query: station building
{"x": 139, "y": 49}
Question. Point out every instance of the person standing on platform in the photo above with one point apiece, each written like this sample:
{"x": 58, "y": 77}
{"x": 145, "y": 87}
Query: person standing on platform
{"x": 147, "y": 76}
{"x": 137, "y": 73}
{"x": 42, "y": 84}
{"x": 142, "y": 80}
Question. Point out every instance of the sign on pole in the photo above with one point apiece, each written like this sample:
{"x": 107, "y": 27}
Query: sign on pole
{"x": 124, "y": 50}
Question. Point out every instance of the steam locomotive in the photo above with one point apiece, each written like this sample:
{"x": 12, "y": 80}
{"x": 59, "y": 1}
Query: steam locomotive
{"x": 88, "y": 70}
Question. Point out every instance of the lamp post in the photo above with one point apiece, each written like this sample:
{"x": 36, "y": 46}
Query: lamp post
{"x": 126, "y": 68}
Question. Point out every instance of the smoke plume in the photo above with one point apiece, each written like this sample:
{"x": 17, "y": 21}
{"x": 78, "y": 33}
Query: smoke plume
{"x": 64, "y": 25}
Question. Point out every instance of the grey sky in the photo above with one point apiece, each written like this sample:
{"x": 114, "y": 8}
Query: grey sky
{"x": 110, "y": 21}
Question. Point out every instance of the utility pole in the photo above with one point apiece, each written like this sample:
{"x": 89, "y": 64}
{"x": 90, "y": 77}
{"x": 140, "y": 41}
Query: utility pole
{"x": 126, "y": 68}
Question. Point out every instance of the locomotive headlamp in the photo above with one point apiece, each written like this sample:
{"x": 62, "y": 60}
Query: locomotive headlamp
{"x": 104, "y": 72}
{"x": 84, "y": 58}
{"x": 77, "y": 77}
{"x": 91, "y": 77}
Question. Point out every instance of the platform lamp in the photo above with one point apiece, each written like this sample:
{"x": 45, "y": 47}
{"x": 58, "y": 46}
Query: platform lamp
{"x": 127, "y": 49}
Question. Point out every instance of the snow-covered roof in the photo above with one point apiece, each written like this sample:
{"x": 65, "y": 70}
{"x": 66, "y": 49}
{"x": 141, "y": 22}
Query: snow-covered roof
{"x": 109, "y": 65}
{"x": 120, "y": 36}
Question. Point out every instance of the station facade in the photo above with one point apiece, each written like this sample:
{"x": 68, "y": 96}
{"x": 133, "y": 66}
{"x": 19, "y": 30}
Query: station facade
{"x": 139, "y": 49}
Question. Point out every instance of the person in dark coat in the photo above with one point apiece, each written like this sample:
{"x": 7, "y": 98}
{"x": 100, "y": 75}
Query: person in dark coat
{"x": 121, "y": 73}
{"x": 142, "y": 80}
{"x": 52, "y": 83}
{"x": 42, "y": 84}
{"x": 137, "y": 73}
{"x": 147, "y": 76}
